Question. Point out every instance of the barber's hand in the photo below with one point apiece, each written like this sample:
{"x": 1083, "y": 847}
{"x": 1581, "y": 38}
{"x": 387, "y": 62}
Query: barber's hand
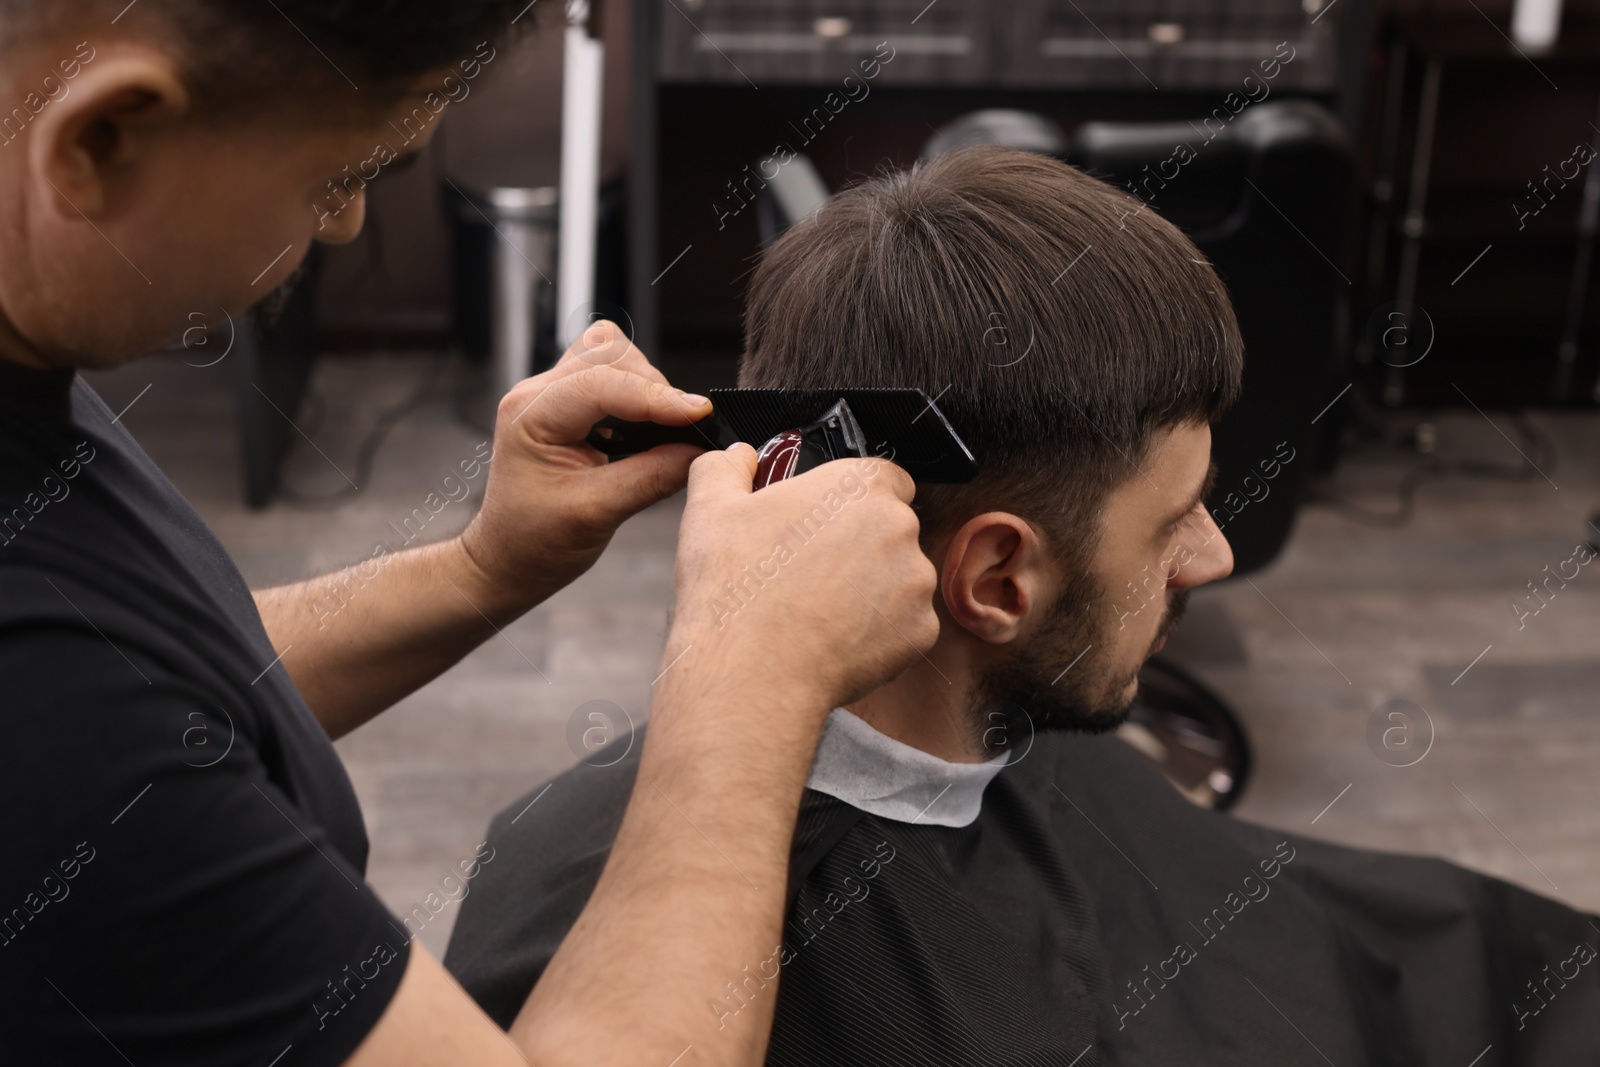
{"x": 552, "y": 502}
{"x": 831, "y": 595}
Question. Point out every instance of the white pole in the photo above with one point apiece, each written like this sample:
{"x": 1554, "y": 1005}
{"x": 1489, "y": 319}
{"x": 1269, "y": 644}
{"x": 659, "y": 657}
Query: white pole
{"x": 1535, "y": 23}
{"x": 581, "y": 91}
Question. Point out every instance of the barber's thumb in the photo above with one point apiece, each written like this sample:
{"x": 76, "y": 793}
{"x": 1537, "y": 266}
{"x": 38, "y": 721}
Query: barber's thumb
{"x": 731, "y": 471}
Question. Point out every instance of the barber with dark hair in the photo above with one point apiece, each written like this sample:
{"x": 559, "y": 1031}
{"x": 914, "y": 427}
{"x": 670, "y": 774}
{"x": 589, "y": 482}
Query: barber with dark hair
{"x": 182, "y": 880}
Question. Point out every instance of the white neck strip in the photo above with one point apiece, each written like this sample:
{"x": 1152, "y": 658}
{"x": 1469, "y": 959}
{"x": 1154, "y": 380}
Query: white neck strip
{"x": 879, "y": 775}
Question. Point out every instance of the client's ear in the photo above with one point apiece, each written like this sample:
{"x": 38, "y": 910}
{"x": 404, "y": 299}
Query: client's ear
{"x": 995, "y": 571}
{"x": 91, "y": 145}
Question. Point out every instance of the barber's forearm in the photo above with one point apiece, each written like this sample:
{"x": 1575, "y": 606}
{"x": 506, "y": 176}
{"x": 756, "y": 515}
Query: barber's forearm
{"x": 692, "y": 900}
{"x": 693, "y": 895}
{"x": 357, "y": 641}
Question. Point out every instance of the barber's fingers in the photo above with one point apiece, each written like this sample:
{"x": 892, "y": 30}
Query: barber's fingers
{"x": 563, "y": 410}
{"x": 872, "y": 467}
{"x": 731, "y": 472}
{"x": 604, "y": 344}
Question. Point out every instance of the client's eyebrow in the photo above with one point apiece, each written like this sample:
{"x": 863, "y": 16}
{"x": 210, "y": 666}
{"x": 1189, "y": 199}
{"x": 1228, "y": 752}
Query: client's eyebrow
{"x": 1204, "y": 491}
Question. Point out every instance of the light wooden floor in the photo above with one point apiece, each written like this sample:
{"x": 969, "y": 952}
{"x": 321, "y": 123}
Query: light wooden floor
{"x": 1347, "y": 619}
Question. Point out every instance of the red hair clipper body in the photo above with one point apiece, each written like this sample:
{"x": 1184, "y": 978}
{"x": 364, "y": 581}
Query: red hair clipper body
{"x": 834, "y": 436}
{"x": 778, "y": 458}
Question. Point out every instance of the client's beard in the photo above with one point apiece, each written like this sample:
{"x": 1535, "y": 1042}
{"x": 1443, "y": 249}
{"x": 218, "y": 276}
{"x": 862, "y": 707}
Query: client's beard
{"x": 1034, "y": 688}
{"x": 269, "y": 310}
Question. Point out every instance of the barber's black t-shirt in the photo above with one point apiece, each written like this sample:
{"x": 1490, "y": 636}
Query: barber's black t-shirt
{"x": 181, "y": 880}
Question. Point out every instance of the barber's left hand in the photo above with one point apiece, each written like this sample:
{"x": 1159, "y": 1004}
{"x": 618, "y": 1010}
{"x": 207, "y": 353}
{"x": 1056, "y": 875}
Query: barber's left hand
{"x": 553, "y": 502}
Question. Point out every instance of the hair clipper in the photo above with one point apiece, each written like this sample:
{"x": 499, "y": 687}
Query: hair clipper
{"x": 796, "y": 430}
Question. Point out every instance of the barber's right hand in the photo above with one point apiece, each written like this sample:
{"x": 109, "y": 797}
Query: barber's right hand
{"x": 814, "y": 586}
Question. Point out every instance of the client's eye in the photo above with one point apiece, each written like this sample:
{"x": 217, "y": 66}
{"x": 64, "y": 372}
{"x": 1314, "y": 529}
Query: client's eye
{"x": 1183, "y": 520}
{"x": 405, "y": 162}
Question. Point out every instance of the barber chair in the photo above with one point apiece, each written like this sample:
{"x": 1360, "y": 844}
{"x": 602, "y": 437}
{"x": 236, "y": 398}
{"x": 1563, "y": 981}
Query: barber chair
{"x": 1022, "y": 130}
{"x": 795, "y": 192}
{"x": 1264, "y": 201}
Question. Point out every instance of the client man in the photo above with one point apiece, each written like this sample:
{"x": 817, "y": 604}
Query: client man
{"x": 974, "y": 880}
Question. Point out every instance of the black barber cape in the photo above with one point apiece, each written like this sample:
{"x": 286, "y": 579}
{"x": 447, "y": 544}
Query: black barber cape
{"x": 1090, "y": 915}
{"x": 180, "y": 848}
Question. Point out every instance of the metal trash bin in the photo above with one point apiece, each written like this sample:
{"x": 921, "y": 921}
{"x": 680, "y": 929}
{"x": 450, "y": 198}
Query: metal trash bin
{"x": 503, "y": 300}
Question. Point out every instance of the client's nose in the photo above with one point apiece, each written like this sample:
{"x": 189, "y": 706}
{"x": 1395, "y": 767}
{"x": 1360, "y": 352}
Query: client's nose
{"x": 340, "y": 222}
{"x": 1213, "y": 558}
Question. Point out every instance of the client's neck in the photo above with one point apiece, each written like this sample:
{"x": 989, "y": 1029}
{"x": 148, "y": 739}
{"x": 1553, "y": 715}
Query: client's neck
{"x": 929, "y": 707}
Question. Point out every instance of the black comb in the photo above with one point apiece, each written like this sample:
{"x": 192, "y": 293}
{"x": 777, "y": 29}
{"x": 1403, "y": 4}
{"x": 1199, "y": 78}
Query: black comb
{"x": 902, "y": 425}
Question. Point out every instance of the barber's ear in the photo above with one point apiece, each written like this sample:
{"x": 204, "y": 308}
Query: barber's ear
{"x": 91, "y": 142}
{"x": 995, "y": 568}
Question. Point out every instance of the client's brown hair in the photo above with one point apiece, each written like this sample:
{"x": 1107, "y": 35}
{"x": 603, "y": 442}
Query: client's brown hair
{"x": 1058, "y": 321}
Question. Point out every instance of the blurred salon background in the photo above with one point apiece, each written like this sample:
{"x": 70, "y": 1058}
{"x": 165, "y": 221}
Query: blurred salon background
{"x": 1399, "y": 195}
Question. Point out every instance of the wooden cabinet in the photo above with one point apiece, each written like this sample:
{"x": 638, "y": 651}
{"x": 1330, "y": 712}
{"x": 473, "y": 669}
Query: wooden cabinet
{"x": 818, "y": 42}
{"x": 1173, "y": 44}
